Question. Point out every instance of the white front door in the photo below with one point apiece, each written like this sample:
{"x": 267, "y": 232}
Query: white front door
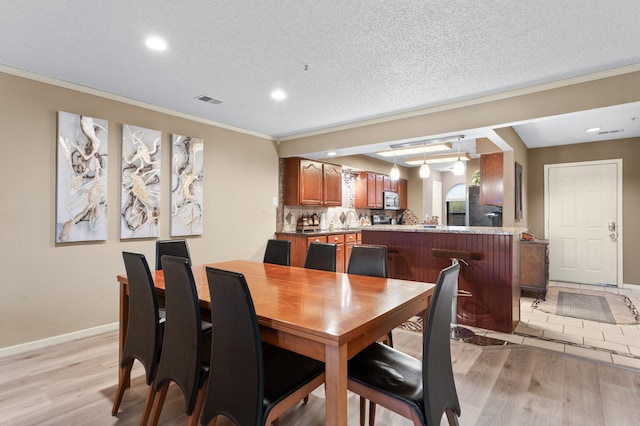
{"x": 582, "y": 215}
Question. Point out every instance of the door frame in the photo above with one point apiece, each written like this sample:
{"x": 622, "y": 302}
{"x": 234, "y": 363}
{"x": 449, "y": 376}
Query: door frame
{"x": 618, "y": 163}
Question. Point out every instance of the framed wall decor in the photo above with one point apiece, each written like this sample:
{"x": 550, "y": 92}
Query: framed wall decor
{"x": 81, "y": 184}
{"x": 140, "y": 189}
{"x": 186, "y": 186}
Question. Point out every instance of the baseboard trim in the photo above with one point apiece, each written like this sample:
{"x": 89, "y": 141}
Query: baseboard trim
{"x": 56, "y": 340}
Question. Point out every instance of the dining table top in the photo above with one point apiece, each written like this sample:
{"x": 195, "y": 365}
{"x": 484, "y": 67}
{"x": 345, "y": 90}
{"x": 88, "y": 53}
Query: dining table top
{"x": 333, "y": 306}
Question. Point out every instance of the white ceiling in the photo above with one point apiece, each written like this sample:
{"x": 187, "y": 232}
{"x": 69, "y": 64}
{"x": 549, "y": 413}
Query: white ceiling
{"x": 339, "y": 61}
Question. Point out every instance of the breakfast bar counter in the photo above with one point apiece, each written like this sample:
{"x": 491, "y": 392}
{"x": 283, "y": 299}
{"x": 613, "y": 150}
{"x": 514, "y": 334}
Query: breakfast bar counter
{"x": 489, "y": 281}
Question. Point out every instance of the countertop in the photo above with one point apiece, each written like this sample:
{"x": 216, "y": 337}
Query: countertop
{"x": 486, "y": 230}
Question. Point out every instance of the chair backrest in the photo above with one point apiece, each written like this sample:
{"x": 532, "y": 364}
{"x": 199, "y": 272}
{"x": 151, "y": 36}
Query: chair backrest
{"x": 437, "y": 373}
{"x": 177, "y": 248}
{"x": 368, "y": 260}
{"x": 236, "y": 377}
{"x": 144, "y": 333}
{"x": 278, "y": 252}
{"x": 180, "y": 360}
{"x": 321, "y": 256}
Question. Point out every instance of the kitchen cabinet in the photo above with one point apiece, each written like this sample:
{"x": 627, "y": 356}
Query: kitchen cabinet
{"x": 338, "y": 240}
{"x": 312, "y": 183}
{"x": 332, "y": 184}
{"x": 368, "y": 190}
{"x": 491, "y": 179}
{"x": 349, "y": 241}
{"x": 390, "y": 185}
{"x": 300, "y": 241}
{"x": 402, "y": 192}
{"x": 534, "y": 267}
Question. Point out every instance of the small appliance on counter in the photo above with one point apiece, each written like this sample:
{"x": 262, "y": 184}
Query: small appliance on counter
{"x": 380, "y": 219}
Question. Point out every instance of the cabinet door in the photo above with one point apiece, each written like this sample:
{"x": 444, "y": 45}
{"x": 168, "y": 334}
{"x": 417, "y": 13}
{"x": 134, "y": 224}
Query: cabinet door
{"x": 371, "y": 189}
{"x": 302, "y": 182}
{"x": 338, "y": 240}
{"x": 491, "y": 179}
{"x": 402, "y": 193}
{"x": 332, "y": 185}
{"x": 310, "y": 182}
{"x": 379, "y": 189}
{"x": 349, "y": 241}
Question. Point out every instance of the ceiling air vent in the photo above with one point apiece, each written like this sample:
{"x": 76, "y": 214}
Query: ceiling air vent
{"x": 208, "y": 99}
{"x": 608, "y": 132}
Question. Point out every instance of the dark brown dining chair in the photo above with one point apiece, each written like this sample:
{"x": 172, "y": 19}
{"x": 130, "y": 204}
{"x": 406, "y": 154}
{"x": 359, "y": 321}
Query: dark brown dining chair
{"x": 187, "y": 341}
{"x": 250, "y": 383}
{"x": 177, "y": 248}
{"x": 144, "y": 329}
{"x": 321, "y": 256}
{"x": 370, "y": 260}
{"x": 278, "y": 252}
{"x": 419, "y": 390}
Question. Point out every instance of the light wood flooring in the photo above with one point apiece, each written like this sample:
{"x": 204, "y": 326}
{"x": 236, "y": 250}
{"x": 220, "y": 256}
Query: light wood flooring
{"x": 74, "y": 384}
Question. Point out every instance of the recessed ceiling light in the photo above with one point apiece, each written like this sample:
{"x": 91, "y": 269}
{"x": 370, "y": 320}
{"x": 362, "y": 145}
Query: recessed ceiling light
{"x": 592, "y": 129}
{"x": 331, "y": 153}
{"x": 278, "y": 94}
{"x": 156, "y": 43}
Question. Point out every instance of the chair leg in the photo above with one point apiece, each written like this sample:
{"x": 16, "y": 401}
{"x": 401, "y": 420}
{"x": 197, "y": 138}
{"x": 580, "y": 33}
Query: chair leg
{"x": 197, "y": 409}
{"x": 305, "y": 399}
{"x": 157, "y": 410}
{"x": 372, "y": 413}
{"x": 363, "y": 408}
{"x": 148, "y": 405}
{"x": 389, "y": 341}
{"x": 122, "y": 384}
{"x": 452, "y": 417}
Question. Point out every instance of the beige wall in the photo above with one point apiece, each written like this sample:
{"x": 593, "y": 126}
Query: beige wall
{"x": 626, "y": 149}
{"x": 48, "y": 289}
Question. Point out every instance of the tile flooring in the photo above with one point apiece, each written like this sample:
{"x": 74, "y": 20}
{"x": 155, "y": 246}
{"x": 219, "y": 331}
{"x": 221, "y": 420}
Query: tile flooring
{"x": 614, "y": 343}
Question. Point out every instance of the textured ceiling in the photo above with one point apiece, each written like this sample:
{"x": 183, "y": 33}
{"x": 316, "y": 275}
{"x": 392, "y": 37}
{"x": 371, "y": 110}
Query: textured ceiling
{"x": 339, "y": 61}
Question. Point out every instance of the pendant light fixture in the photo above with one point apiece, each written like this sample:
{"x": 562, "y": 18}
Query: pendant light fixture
{"x": 458, "y": 166}
{"x": 425, "y": 170}
{"x": 394, "y": 174}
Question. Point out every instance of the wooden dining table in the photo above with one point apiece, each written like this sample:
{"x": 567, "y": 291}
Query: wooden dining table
{"x": 324, "y": 315}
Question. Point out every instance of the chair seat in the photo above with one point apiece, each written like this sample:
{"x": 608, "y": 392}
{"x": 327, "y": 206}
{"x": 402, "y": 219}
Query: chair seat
{"x": 391, "y": 372}
{"x": 284, "y": 372}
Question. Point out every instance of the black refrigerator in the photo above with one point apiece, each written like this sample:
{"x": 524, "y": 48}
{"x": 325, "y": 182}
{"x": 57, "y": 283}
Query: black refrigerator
{"x": 481, "y": 214}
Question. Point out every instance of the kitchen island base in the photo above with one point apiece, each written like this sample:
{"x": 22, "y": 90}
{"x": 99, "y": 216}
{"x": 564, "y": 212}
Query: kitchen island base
{"x": 489, "y": 280}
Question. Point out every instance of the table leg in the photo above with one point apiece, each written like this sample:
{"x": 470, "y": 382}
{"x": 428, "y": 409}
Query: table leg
{"x": 336, "y": 385}
{"x": 124, "y": 320}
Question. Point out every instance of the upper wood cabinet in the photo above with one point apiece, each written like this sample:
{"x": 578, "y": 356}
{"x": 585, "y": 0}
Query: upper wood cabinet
{"x": 390, "y": 185}
{"x": 312, "y": 183}
{"x": 368, "y": 190}
{"x": 491, "y": 179}
{"x": 332, "y": 184}
{"x": 402, "y": 193}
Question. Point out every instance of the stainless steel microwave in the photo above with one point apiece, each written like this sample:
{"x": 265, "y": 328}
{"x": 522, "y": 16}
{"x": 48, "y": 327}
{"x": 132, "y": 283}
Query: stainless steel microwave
{"x": 391, "y": 200}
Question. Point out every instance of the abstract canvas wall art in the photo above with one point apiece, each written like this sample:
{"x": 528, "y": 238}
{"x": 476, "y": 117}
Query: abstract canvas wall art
{"x": 140, "y": 190}
{"x": 186, "y": 185}
{"x": 81, "y": 191}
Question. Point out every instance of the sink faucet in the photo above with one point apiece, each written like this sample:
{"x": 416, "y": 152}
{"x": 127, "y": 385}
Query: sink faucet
{"x": 355, "y": 216}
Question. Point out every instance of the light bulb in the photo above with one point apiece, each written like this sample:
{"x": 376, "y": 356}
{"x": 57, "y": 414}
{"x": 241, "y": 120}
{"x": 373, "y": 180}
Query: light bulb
{"x": 394, "y": 174}
{"x": 458, "y": 167}
{"x": 425, "y": 171}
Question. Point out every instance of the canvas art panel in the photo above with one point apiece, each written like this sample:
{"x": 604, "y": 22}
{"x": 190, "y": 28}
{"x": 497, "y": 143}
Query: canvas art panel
{"x": 140, "y": 190}
{"x": 81, "y": 186}
{"x": 186, "y": 186}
